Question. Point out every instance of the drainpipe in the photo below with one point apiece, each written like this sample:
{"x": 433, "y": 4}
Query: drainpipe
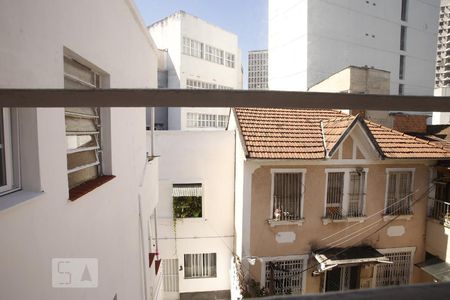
{"x": 152, "y": 132}
{"x": 143, "y": 250}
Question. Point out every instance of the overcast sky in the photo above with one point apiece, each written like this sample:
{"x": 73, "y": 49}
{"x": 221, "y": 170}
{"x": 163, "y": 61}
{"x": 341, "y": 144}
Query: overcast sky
{"x": 246, "y": 18}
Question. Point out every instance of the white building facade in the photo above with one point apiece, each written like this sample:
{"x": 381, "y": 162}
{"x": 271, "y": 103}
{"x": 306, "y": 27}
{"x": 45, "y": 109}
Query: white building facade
{"x": 443, "y": 50}
{"x": 309, "y": 40}
{"x": 196, "y": 212}
{"x": 258, "y": 65}
{"x": 45, "y": 216}
{"x": 199, "y": 56}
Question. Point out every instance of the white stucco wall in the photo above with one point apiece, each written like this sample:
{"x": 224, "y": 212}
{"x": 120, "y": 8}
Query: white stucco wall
{"x": 441, "y": 117}
{"x": 207, "y": 158}
{"x": 103, "y": 224}
{"x": 311, "y": 40}
{"x": 169, "y": 33}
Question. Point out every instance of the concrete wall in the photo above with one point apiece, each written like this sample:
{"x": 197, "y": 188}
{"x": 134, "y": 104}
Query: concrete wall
{"x": 311, "y": 40}
{"x": 441, "y": 117}
{"x": 438, "y": 242}
{"x": 207, "y": 158}
{"x": 103, "y": 224}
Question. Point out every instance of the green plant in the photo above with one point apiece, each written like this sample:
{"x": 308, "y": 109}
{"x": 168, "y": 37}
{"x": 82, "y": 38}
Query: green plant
{"x": 187, "y": 207}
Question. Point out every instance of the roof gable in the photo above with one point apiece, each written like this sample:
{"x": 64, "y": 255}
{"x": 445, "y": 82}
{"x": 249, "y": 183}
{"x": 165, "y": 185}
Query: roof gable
{"x": 272, "y": 133}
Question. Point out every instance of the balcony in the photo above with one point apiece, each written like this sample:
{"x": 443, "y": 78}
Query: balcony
{"x": 440, "y": 211}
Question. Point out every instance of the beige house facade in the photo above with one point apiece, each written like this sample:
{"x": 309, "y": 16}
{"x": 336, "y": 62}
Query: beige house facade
{"x": 329, "y": 202}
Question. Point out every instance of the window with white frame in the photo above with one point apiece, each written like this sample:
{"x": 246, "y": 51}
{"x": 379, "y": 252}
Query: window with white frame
{"x": 200, "y": 120}
{"x": 397, "y": 273}
{"x": 9, "y": 155}
{"x": 287, "y": 194}
{"x": 285, "y": 275}
{"x": 201, "y": 265}
{"x": 399, "y": 194}
{"x": 82, "y": 127}
{"x": 345, "y": 195}
{"x": 192, "y": 47}
{"x": 197, "y": 84}
{"x": 214, "y": 54}
{"x": 229, "y": 60}
{"x": 187, "y": 200}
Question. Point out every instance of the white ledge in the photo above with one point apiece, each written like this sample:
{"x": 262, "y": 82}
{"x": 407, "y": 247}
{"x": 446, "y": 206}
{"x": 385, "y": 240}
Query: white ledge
{"x": 327, "y": 221}
{"x": 273, "y": 222}
{"x": 397, "y": 217}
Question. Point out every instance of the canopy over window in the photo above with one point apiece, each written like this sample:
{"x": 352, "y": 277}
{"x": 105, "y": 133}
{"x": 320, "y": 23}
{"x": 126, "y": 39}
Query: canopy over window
{"x": 333, "y": 257}
{"x": 187, "y": 190}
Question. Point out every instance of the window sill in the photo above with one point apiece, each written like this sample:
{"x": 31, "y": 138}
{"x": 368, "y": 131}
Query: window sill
{"x": 397, "y": 217}
{"x": 17, "y": 197}
{"x": 85, "y": 188}
{"x": 327, "y": 221}
{"x": 273, "y": 222}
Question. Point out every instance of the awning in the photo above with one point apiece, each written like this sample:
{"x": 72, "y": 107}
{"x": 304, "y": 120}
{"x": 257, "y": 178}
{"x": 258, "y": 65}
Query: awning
{"x": 331, "y": 257}
{"x": 437, "y": 268}
{"x": 187, "y": 190}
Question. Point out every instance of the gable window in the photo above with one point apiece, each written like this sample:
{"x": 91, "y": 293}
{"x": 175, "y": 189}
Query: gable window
{"x": 82, "y": 127}
{"x": 287, "y": 194}
{"x": 202, "y": 265}
{"x": 345, "y": 193}
{"x": 399, "y": 195}
{"x": 285, "y": 275}
{"x": 9, "y": 169}
{"x": 187, "y": 200}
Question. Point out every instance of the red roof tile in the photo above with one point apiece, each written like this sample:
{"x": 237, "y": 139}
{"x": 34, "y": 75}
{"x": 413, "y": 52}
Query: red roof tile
{"x": 272, "y": 133}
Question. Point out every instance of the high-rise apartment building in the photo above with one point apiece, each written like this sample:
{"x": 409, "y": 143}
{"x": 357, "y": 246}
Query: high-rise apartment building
{"x": 443, "y": 47}
{"x": 311, "y": 40}
{"x": 198, "y": 55}
{"x": 258, "y": 70}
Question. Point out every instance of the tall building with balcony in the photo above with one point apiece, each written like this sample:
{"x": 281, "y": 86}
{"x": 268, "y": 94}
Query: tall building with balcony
{"x": 443, "y": 47}
{"x": 197, "y": 55}
{"x": 311, "y": 40}
{"x": 258, "y": 64}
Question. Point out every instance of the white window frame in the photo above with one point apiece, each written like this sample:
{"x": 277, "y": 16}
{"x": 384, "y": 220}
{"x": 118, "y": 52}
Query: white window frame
{"x": 394, "y": 170}
{"x": 272, "y": 190}
{"x": 11, "y": 151}
{"x": 202, "y": 120}
{"x": 265, "y": 260}
{"x": 201, "y": 255}
{"x": 345, "y": 199}
{"x": 203, "y": 217}
{"x": 394, "y": 250}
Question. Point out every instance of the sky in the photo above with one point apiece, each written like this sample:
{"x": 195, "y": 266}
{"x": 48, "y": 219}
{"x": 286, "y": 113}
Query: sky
{"x": 245, "y": 18}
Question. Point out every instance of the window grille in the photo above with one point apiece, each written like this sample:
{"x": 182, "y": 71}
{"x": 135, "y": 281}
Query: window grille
{"x": 170, "y": 275}
{"x": 399, "y": 193}
{"x": 201, "y": 265}
{"x": 287, "y": 196}
{"x": 285, "y": 276}
{"x": 397, "y": 273}
{"x": 82, "y": 127}
{"x": 335, "y": 195}
{"x": 356, "y": 194}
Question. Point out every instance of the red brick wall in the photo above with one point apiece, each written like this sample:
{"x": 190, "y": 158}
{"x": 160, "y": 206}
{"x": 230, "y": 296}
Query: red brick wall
{"x": 410, "y": 123}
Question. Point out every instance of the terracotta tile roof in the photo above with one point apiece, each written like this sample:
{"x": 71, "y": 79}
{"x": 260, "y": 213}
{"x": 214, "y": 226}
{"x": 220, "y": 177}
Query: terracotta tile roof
{"x": 272, "y": 133}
